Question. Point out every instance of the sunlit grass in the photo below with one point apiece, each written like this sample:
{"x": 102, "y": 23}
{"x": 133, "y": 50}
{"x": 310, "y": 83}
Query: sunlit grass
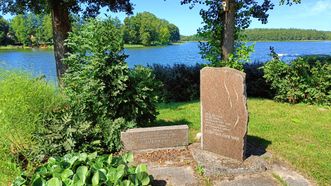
{"x": 23, "y": 100}
{"x": 299, "y": 134}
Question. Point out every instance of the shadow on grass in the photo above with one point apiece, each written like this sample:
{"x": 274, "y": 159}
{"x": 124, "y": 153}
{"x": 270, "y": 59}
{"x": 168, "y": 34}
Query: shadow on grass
{"x": 256, "y": 146}
{"x": 161, "y": 122}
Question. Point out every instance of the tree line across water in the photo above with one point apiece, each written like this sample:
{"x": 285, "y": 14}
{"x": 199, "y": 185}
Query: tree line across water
{"x": 262, "y": 34}
{"x": 36, "y": 30}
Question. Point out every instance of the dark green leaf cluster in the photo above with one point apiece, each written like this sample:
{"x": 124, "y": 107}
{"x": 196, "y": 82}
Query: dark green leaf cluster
{"x": 104, "y": 96}
{"x": 179, "y": 78}
{"x": 286, "y": 34}
{"x": 87, "y": 169}
{"x": 4, "y": 31}
{"x": 90, "y": 8}
{"x": 146, "y": 29}
{"x": 186, "y": 80}
{"x": 306, "y": 80}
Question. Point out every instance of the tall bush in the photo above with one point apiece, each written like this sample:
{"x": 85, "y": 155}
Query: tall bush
{"x": 306, "y": 80}
{"x": 104, "y": 96}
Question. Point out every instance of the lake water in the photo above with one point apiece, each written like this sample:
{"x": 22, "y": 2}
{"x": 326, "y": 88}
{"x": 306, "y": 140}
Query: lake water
{"x": 39, "y": 61}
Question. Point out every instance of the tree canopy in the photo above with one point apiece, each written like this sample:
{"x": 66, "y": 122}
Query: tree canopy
{"x": 223, "y": 22}
{"x": 146, "y": 29}
{"x": 286, "y": 34}
{"x": 32, "y": 29}
{"x": 90, "y": 8}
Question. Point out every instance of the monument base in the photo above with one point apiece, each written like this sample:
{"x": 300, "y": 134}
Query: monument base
{"x": 216, "y": 165}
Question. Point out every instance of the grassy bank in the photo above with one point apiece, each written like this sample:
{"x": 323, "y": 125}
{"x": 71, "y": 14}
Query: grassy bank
{"x": 299, "y": 134}
{"x": 133, "y": 46}
{"x": 14, "y": 47}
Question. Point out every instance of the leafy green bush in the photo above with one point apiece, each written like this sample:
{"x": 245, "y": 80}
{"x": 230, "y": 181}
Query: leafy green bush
{"x": 306, "y": 80}
{"x": 142, "y": 94}
{"x": 180, "y": 82}
{"x": 105, "y": 97}
{"x": 87, "y": 169}
{"x": 24, "y": 102}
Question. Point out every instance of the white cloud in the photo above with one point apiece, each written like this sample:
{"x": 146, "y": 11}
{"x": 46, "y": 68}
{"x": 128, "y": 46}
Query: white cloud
{"x": 321, "y": 6}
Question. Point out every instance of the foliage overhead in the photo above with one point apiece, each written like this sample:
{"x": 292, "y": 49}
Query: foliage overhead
{"x": 213, "y": 28}
{"x": 92, "y": 7}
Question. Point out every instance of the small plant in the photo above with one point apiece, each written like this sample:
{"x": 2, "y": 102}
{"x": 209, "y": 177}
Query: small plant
{"x": 200, "y": 170}
{"x": 87, "y": 169}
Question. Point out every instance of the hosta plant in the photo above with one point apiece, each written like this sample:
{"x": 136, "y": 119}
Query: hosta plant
{"x": 87, "y": 169}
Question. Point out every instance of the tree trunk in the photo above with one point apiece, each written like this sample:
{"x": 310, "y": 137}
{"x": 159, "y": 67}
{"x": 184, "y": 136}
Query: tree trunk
{"x": 228, "y": 32}
{"x": 61, "y": 27}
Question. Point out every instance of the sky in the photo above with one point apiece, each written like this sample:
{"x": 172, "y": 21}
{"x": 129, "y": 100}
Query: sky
{"x": 310, "y": 14}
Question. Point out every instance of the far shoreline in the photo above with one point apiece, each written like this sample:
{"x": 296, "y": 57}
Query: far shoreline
{"x": 139, "y": 46}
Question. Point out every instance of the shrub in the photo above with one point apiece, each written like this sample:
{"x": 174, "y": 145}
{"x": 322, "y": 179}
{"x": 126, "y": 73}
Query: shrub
{"x": 256, "y": 84}
{"x": 24, "y": 102}
{"x": 87, "y": 169}
{"x": 306, "y": 80}
{"x": 104, "y": 96}
{"x": 180, "y": 82}
{"x": 142, "y": 94}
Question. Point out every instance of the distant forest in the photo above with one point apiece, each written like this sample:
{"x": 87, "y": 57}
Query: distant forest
{"x": 276, "y": 35}
{"x": 36, "y": 30}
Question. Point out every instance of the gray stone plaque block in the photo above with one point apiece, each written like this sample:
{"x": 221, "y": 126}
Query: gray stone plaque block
{"x": 224, "y": 115}
{"x": 155, "y": 137}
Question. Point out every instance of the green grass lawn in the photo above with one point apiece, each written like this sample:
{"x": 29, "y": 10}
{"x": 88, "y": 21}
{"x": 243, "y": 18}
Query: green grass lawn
{"x": 299, "y": 134}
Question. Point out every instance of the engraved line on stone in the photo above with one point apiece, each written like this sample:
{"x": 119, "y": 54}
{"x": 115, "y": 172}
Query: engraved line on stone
{"x": 237, "y": 96}
{"x": 227, "y": 91}
{"x": 235, "y": 125}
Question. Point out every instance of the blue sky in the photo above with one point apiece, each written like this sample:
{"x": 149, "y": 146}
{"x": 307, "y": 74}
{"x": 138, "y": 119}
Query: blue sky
{"x": 310, "y": 14}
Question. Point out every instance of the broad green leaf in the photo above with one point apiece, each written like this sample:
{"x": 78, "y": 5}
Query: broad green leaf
{"x": 141, "y": 168}
{"x": 111, "y": 175}
{"x": 82, "y": 157}
{"x": 120, "y": 172}
{"x": 92, "y": 156}
{"x": 42, "y": 170}
{"x": 95, "y": 179}
{"x": 82, "y": 173}
{"x": 127, "y": 183}
{"x": 143, "y": 177}
{"x": 51, "y": 160}
{"x": 109, "y": 159}
{"x": 102, "y": 175}
{"x": 66, "y": 173}
{"x": 54, "y": 182}
{"x": 38, "y": 182}
{"x": 19, "y": 181}
{"x": 128, "y": 157}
